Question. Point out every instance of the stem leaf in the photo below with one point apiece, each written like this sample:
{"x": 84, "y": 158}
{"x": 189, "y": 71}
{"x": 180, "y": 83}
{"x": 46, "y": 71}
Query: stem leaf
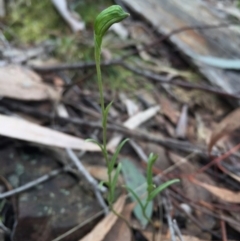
{"x": 95, "y": 142}
{"x": 115, "y": 155}
{"x": 151, "y": 160}
{"x": 160, "y": 188}
{"x": 136, "y": 197}
{"x": 105, "y": 114}
{"x": 136, "y": 181}
{"x": 113, "y": 184}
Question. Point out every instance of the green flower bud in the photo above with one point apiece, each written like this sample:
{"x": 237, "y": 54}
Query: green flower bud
{"x": 106, "y": 19}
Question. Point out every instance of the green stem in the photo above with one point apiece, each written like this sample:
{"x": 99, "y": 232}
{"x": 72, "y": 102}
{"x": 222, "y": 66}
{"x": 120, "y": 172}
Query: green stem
{"x": 100, "y": 86}
{"x": 121, "y": 217}
{"x": 99, "y": 75}
{"x": 145, "y": 215}
{"x": 104, "y": 123}
{"x": 103, "y": 22}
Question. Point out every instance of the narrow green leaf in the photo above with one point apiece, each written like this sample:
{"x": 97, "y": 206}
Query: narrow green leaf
{"x": 115, "y": 178}
{"x": 108, "y": 108}
{"x": 105, "y": 114}
{"x": 136, "y": 197}
{"x": 151, "y": 160}
{"x": 115, "y": 155}
{"x": 113, "y": 184}
{"x": 136, "y": 181}
{"x": 159, "y": 189}
{"x": 95, "y": 142}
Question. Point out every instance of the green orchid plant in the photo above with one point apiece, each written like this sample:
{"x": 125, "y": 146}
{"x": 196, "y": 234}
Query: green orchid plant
{"x": 152, "y": 190}
{"x": 104, "y": 21}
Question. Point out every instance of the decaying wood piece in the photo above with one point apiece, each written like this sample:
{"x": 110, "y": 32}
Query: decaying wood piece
{"x": 170, "y": 15}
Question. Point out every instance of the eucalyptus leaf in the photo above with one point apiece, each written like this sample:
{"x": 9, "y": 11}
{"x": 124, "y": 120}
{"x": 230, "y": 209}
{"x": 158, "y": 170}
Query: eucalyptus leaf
{"x": 136, "y": 181}
{"x": 221, "y": 63}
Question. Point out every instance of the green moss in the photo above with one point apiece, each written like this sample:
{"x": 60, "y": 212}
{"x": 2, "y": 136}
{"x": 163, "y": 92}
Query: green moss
{"x": 33, "y": 21}
{"x": 238, "y": 3}
{"x": 70, "y": 49}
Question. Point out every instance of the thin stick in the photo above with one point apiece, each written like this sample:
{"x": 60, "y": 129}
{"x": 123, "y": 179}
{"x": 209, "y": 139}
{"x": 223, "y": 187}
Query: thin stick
{"x": 183, "y": 84}
{"x": 89, "y": 178}
{"x": 73, "y": 66}
{"x": 4, "y": 228}
{"x": 34, "y": 183}
{"x": 177, "y": 230}
{"x": 167, "y": 207}
{"x": 223, "y": 229}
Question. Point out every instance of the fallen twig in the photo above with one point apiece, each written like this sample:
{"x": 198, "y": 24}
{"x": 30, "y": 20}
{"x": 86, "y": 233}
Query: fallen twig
{"x": 89, "y": 178}
{"x": 72, "y": 66}
{"x": 177, "y": 230}
{"x": 183, "y": 84}
{"x": 168, "y": 207}
{"x": 34, "y": 183}
{"x": 223, "y": 229}
{"x": 4, "y": 228}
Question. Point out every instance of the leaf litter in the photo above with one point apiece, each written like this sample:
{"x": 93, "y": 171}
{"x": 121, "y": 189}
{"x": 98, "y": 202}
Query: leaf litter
{"x": 207, "y": 122}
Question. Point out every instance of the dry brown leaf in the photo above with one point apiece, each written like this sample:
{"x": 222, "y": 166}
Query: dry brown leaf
{"x": 120, "y": 231}
{"x": 229, "y": 124}
{"x": 21, "y": 83}
{"x": 101, "y": 230}
{"x": 148, "y": 236}
{"x": 203, "y": 131}
{"x": 168, "y": 110}
{"x": 222, "y": 193}
{"x": 27, "y": 131}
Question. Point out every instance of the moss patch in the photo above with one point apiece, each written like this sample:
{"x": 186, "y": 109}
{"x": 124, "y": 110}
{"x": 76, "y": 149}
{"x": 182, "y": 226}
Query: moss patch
{"x": 33, "y": 21}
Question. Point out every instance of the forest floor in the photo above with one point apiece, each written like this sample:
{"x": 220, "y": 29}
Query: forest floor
{"x": 162, "y": 100}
